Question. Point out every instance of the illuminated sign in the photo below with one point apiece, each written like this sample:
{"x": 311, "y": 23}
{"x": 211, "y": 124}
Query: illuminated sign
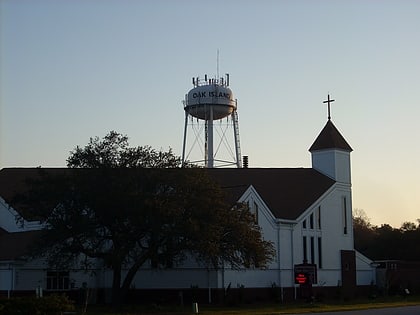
{"x": 305, "y": 274}
{"x": 301, "y": 278}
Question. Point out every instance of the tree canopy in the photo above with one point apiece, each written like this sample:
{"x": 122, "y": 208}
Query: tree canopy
{"x": 128, "y": 206}
{"x": 113, "y": 151}
{"x": 385, "y": 242}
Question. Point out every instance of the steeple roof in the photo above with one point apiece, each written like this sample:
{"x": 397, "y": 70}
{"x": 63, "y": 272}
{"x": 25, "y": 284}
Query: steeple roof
{"x": 330, "y": 138}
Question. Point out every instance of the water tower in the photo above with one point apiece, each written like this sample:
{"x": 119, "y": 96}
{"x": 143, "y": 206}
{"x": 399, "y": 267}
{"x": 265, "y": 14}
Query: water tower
{"x": 210, "y": 110}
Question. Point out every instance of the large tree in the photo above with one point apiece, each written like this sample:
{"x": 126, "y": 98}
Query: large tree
{"x": 127, "y": 206}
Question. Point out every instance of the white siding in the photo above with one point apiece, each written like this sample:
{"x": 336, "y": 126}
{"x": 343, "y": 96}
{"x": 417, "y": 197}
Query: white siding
{"x": 29, "y": 279}
{"x": 366, "y": 274}
{"x": 6, "y": 279}
{"x": 333, "y": 163}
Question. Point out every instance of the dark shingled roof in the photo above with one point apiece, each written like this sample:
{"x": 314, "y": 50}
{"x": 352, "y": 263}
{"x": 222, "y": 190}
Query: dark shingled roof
{"x": 286, "y": 191}
{"x": 330, "y": 138}
{"x": 15, "y": 181}
{"x": 16, "y": 245}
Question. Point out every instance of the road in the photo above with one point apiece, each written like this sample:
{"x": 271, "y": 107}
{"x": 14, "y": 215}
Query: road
{"x": 405, "y": 310}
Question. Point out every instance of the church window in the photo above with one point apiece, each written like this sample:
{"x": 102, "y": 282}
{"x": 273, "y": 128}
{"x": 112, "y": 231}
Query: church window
{"x": 305, "y": 250}
{"x": 58, "y": 280}
{"x": 393, "y": 266}
{"x": 319, "y": 252}
{"x": 345, "y": 214}
{"x": 318, "y": 218}
{"x": 256, "y": 212}
{"x": 304, "y": 224}
{"x": 311, "y": 221}
{"x": 312, "y": 250}
{"x": 346, "y": 266}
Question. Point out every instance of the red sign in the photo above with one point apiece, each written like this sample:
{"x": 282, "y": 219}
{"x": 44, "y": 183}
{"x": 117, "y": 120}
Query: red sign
{"x": 305, "y": 273}
{"x": 301, "y": 278}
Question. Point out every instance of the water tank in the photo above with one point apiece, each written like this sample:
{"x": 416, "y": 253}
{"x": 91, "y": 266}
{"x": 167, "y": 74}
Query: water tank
{"x": 211, "y": 96}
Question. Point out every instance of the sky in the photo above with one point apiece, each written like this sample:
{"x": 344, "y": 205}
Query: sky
{"x": 71, "y": 70}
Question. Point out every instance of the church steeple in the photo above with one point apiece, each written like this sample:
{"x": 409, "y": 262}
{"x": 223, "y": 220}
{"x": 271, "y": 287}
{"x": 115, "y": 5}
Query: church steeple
{"x": 331, "y": 152}
{"x": 330, "y": 138}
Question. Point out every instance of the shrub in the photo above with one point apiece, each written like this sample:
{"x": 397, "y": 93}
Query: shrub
{"x": 49, "y": 305}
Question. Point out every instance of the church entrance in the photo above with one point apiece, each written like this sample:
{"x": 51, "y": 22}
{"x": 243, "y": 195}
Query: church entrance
{"x": 348, "y": 273}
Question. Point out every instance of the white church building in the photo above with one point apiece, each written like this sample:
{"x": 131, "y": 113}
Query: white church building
{"x": 305, "y": 212}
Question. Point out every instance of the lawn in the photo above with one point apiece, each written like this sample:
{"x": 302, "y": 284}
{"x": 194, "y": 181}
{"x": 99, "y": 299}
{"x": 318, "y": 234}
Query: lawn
{"x": 261, "y": 309}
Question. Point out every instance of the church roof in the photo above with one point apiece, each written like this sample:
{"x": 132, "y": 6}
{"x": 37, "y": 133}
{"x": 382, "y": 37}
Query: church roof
{"x": 330, "y": 138}
{"x": 16, "y": 245}
{"x": 288, "y": 192}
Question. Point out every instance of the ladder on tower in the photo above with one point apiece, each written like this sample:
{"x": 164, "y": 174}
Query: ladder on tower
{"x": 237, "y": 142}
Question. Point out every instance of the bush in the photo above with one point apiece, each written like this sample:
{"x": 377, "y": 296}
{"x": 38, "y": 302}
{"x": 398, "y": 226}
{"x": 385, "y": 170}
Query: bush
{"x": 49, "y": 305}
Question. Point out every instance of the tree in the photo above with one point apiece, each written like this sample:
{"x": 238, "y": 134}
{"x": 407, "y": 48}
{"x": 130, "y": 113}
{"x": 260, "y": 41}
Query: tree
{"x": 360, "y": 219}
{"x": 114, "y": 152}
{"x": 127, "y": 206}
{"x": 386, "y": 242}
{"x": 364, "y": 234}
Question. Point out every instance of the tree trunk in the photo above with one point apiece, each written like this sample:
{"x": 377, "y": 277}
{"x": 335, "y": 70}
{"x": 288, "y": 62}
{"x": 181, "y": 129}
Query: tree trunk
{"x": 117, "y": 297}
{"x": 130, "y": 276}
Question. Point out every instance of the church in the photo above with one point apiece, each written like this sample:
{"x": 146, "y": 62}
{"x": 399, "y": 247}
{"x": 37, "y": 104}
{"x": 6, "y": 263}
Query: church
{"x": 305, "y": 212}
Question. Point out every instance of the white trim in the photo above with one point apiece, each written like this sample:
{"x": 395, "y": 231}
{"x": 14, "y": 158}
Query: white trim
{"x": 10, "y": 223}
{"x": 363, "y": 258}
{"x": 252, "y": 192}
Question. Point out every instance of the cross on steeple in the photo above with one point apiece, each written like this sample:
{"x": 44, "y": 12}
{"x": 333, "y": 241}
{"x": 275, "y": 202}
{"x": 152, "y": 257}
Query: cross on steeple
{"x": 329, "y": 101}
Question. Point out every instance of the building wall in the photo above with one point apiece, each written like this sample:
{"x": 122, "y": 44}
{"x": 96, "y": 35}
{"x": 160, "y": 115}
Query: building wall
{"x": 287, "y": 248}
{"x": 324, "y": 225}
{"x": 6, "y": 277}
{"x": 366, "y": 273}
{"x": 342, "y": 166}
{"x": 333, "y": 163}
{"x": 29, "y": 279}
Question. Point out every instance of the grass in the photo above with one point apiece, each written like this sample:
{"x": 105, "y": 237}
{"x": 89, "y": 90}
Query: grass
{"x": 261, "y": 309}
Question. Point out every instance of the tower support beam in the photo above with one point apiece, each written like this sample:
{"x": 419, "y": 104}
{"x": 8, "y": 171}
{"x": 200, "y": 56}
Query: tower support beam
{"x": 185, "y": 138}
{"x": 210, "y": 154}
{"x": 237, "y": 143}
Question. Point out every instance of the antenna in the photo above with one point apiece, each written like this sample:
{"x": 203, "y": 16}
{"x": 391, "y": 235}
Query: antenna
{"x": 217, "y": 63}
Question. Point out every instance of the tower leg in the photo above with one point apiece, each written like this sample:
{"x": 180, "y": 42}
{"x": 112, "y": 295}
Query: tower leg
{"x": 237, "y": 143}
{"x": 210, "y": 155}
{"x": 185, "y": 139}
